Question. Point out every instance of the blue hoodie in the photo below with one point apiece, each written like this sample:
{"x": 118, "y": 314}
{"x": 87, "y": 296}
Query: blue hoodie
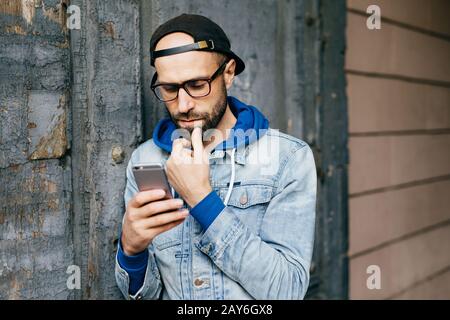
{"x": 247, "y": 117}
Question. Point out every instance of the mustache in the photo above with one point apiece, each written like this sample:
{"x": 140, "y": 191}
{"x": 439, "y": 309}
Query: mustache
{"x": 193, "y": 116}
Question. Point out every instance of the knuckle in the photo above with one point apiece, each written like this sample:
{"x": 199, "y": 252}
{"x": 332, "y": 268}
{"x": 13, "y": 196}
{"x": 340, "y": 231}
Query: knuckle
{"x": 131, "y": 215}
{"x": 138, "y": 198}
{"x": 129, "y": 206}
{"x": 128, "y": 216}
{"x": 153, "y": 208}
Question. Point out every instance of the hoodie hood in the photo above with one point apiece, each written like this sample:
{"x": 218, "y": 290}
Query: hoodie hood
{"x": 247, "y": 117}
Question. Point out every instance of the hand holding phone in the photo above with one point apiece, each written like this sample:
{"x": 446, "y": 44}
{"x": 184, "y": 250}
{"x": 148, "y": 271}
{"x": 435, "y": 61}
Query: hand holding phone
{"x": 151, "y": 211}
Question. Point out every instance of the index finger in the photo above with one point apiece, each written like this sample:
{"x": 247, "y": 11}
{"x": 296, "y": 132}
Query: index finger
{"x": 144, "y": 197}
{"x": 197, "y": 143}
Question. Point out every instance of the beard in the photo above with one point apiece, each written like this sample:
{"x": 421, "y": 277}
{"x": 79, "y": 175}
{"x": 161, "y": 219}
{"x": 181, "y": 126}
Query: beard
{"x": 210, "y": 119}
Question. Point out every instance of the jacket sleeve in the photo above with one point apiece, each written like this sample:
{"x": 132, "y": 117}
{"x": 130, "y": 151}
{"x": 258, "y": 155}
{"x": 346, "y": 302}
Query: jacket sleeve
{"x": 152, "y": 286}
{"x": 274, "y": 264}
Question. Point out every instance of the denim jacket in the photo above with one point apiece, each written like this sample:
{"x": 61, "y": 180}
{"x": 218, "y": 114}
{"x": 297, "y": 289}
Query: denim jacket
{"x": 259, "y": 246}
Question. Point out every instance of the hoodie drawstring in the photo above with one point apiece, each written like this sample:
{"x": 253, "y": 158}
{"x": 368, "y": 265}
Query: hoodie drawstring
{"x": 231, "y": 184}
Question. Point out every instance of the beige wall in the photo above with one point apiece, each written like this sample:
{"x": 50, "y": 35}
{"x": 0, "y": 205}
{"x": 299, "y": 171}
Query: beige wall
{"x": 399, "y": 125}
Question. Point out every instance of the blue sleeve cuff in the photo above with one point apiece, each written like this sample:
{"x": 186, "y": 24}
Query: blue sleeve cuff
{"x": 206, "y": 211}
{"x": 135, "y": 266}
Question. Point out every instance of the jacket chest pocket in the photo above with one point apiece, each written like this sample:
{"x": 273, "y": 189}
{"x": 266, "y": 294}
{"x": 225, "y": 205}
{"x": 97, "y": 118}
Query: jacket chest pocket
{"x": 249, "y": 203}
{"x": 170, "y": 239}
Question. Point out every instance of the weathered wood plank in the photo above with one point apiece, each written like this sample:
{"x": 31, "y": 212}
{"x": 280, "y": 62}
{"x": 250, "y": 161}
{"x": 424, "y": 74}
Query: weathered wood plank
{"x": 35, "y": 189}
{"x": 331, "y": 149}
{"x": 106, "y": 117}
{"x": 35, "y": 230}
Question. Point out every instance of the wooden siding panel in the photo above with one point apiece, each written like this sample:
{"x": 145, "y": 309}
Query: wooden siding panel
{"x": 380, "y": 105}
{"x": 402, "y": 264}
{"x": 379, "y": 162}
{"x": 430, "y": 15}
{"x": 396, "y": 51}
{"x": 381, "y": 217}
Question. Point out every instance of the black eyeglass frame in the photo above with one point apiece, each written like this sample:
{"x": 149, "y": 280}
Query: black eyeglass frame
{"x": 183, "y": 84}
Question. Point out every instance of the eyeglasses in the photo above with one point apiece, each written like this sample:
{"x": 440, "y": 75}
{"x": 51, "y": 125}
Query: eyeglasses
{"x": 196, "y": 88}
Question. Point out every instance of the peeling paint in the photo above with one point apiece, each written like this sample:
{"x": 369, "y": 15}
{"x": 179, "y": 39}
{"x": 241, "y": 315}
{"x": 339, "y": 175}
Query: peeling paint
{"x": 14, "y": 167}
{"x": 109, "y": 29}
{"x": 28, "y": 10}
{"x": 48, "y": 137}
{"x": 53, "y": 204}
{"x": 11, "y": 7}
{"x": 117, "y": 154}
{"x": 17, "y": 29}
{"x": 56, "y": 14}
{"x": 51, "y": 187}
{"x": 63, "y": 45}
{"x": 16, "y": 286}
{"x": 24, "y": 8}
{"x": 36, "y": 234}
{"x": 41, "y": 168}
{"x": 53, "y": 145}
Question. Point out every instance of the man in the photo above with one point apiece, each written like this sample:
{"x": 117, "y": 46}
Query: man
{"x": 247, "y": 228}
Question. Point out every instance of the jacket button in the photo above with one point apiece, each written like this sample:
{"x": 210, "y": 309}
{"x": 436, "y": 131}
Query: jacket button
{"x": 243, "y": 199}
{"x": 138, "y": 297}
{"x": 198, "y": 282}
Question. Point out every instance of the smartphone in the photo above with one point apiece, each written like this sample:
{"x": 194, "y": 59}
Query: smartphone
{"x": 152, "y": 176}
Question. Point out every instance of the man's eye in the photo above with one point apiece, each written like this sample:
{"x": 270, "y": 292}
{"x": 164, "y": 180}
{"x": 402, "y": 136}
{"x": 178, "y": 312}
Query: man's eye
{"x": 199, "y": 84}
{"x": 169, "y": 88}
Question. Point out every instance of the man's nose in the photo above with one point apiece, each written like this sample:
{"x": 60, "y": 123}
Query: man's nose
{"x": 185, "y": 101}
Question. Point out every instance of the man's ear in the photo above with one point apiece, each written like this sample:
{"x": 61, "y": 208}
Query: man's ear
{"x": 228, "y": 73}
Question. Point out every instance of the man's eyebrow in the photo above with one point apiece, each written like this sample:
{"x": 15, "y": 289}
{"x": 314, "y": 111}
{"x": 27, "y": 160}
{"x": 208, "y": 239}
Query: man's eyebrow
{"x": 192, "y": 79}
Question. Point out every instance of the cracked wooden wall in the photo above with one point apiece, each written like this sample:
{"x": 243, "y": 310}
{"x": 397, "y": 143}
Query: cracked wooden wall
{"x": 36, "y": 244}
{"x": 61, "y": 203}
